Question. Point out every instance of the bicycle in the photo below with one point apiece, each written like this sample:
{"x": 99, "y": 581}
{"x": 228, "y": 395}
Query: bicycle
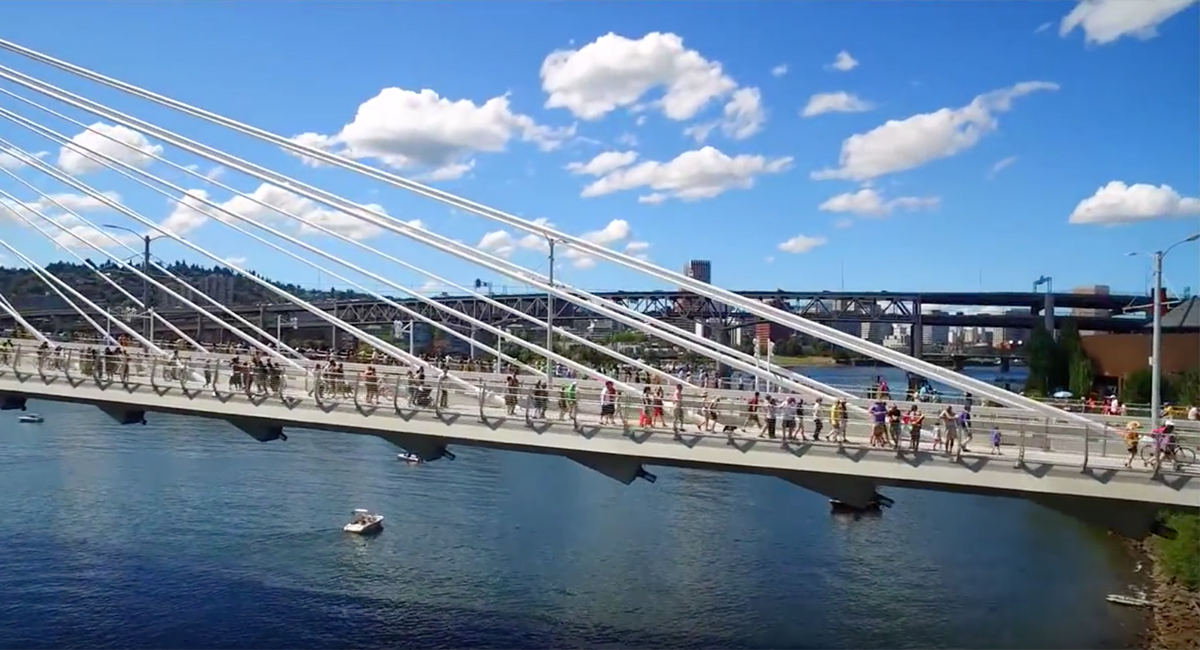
{"x": 1181, "y": 456}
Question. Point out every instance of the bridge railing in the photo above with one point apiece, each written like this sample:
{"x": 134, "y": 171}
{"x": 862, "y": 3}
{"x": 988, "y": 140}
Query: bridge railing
{"x": 700, "y": 413}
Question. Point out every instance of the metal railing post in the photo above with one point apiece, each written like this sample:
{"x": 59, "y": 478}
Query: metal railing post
{"x": 1087, "y": 443}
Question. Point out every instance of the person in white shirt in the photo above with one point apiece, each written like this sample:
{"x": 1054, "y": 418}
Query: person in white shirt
{"x": 1194, "y": 413}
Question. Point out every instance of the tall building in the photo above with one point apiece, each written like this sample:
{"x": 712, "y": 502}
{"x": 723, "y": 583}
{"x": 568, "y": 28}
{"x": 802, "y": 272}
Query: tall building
{"x": 699, "y": 270}
{"x": 935, "y": 335}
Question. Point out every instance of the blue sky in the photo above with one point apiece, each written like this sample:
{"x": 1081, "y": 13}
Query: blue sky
{"x": 1003, "y": 120}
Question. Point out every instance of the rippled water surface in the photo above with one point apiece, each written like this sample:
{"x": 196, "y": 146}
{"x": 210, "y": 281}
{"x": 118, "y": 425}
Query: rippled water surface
{"x": 186, "y": 533}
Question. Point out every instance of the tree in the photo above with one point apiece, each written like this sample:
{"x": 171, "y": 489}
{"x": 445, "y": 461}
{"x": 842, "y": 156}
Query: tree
{"x": 1040, "y": 355}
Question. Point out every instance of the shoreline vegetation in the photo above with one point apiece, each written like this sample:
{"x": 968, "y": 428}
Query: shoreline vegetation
{"x": 805, "y": 360}
{"x": 1174, "y": 577}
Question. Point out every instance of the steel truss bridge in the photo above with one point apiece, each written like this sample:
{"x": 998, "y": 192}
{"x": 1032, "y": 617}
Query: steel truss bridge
{"x": 686, "y": 307}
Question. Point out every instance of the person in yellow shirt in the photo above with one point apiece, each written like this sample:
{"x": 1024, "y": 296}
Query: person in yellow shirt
{"x": 1132, "y": 438}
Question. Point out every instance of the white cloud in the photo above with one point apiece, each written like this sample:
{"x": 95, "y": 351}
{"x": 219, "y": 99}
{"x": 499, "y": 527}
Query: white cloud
{"x": 900, "y": 145}
{"x": 638, "y": 249}
{"x": 614, "y": 233}
{"x": 308, "y": 210}
{"x": 188, "y": 214}
{"x": 45, "y": 205}
{"x": 497, "y": 242}
{"x": 603, "y": 163}
{"x": 234, "y": 261}
{"x": 1001, "y": 165}
{"x": 1120, "y": 203}
{"x": 843, "y": 62}
{"x": 868, "y": 202}
{"x": 616, "y": 72}
{"x": 801, "y": 244}
{"x": 742, "y": 117}
{"x": 536, "y": 242}
{"x": 90, "y": 234}
{"x": 779, "y": 70}
{"x": 1106, "y": 21}
{"x": 12, "y": 160}
{"x": 839, "y": 102}
{"x": 843, "y": 223}
{"x": 700, "y": 174}
{"x": 72, "y": 160}
{"x": 405, "y": 129}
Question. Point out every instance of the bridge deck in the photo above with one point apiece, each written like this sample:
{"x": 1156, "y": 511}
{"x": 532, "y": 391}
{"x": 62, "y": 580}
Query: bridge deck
{"x": 1060, "y": 464}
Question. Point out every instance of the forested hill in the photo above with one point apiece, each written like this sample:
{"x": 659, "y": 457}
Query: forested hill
{"x": 27, "y": 291}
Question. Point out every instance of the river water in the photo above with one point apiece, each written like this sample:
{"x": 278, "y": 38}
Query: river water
{"x": 188, "y": 534}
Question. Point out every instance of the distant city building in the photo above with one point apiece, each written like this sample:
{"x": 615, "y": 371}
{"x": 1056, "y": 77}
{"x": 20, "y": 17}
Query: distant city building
{"x": 935, "y": 335}
{"x": 699, "y": 270}
{"x": 874, "y": 332}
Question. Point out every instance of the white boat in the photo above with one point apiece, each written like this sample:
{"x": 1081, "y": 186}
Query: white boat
{"x": 364, "y": 523}
{"x": 1131, "y": 601}
{"x": 411, "y": 459}
{"x": 31, "y": 418}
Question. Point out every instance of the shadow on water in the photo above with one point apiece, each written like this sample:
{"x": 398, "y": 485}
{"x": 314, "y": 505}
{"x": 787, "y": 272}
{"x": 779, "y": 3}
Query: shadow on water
{"x": 189, "y": 534}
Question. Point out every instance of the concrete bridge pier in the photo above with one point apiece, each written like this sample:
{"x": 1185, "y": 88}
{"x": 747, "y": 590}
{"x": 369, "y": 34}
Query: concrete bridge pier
{"x": 426, "y": 448}
{"x": 619, "y": 468}
{"x": 262, "y": 432}
{"x": 12, "y": 402}
{"x": 124, "y": 415}
{"x": 916, "y": 339}
{"x": 851, "y": 490}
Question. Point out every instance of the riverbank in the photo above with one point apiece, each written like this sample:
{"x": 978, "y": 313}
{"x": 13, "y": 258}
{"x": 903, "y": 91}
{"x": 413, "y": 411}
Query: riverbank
{"x": 1174, "y": 621}
{"x": 783, "y": 360}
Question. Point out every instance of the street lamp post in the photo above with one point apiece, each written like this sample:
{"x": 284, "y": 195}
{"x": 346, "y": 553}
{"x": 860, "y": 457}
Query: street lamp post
{"x": 1156, "y": 336}
{"x": 550, "y": 315}
{"x": 146, "y": 239}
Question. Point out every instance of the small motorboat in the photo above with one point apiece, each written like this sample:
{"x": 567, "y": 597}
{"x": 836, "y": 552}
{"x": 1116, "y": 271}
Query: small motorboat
{"x": 364, "y": 523}
{"x": 410, "y": 458}
{"x": 31, "y": 418}
{"x": 1129, "y": 601}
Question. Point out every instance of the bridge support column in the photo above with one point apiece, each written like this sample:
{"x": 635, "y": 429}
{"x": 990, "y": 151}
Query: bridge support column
{"x": 916, "y": 341}
{"x": 260, "y": 431}
{"x": 721, "y": 336}
{"x": 851, "y": 490}
{"x": 1131, "y": 520}
{"x": 11, "y": 402}
{"x": 619, "y": 468}
{"x": 124, "y": 415}
{"x": 426, "y": 448}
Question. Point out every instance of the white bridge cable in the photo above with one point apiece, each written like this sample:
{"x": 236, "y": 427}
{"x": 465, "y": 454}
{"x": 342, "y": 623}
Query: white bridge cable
{"x": 54, "y": 283}
{"x": 956, "y": 380}
{"x": 382, "y": 345}
{"x": 635, "y": 320}
{"x": 7, "y": 307}
{"x": 183, "y": 283}
{"x": 109, "y": 162}
{"x": 771, "y": 372}
{"x": 104, "y": 276}
{"x": 116, "y": 166}
{"x": 122, "y": 263}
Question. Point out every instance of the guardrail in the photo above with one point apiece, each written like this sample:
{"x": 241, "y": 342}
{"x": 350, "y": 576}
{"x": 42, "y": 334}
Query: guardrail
{"x": 696, "y": 415}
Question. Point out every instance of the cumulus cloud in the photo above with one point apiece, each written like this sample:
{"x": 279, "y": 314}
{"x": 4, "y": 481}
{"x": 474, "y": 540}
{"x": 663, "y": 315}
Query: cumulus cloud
{"x": 843, "y": 62}
{"x": 1001, "y": 165}
{"x": 838, "y": 102}
{"x": 615, "y": 234}
{"x": 779, "y": 70}
{"x": 868, "y": 202}
{"x": 1106, "y": 21}
{"x": 1117, "y": 203}
{"x": 603, "y": 163}
{"x": 422, "y": 130}
{"x": 693, "y": 175}
{"x": 96, "y": 138}
{"x": 901, "y": 145}
{"x": 801, "y": 244}
{"x": 12, "y": 160}
{"x": 615, "y": 72}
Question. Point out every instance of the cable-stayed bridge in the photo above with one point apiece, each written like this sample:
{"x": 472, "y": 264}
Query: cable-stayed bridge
{"x": 1067, "y": 461}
